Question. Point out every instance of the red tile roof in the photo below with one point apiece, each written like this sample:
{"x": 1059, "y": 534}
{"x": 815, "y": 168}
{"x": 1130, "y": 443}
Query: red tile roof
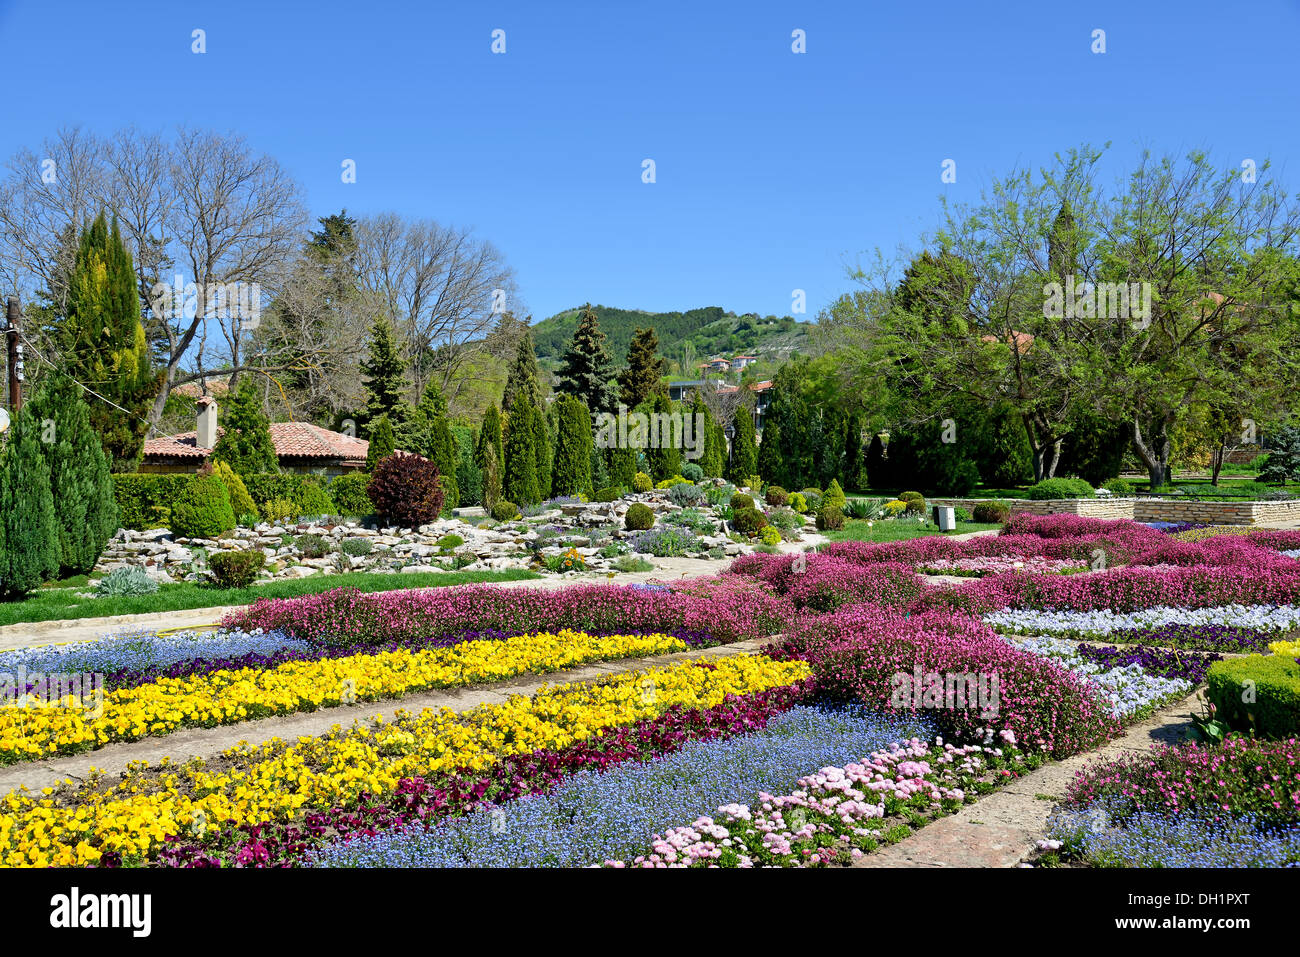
{"x": 300, "y": 440}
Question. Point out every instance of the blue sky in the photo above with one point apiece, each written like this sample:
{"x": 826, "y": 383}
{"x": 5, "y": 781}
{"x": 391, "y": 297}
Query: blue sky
{"x": 774, "y": 170}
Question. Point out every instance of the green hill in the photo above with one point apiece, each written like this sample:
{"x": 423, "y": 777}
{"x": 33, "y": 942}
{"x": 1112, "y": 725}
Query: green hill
{"x": 711, "y": 331}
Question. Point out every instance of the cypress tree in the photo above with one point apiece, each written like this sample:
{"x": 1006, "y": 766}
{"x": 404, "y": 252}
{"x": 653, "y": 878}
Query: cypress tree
{"x": 523, "y": 377}
{"x": 718, "y": 455}
{"x": 85, "y": 507}
{"x": 428, "y": 433}
{"x": 666, "y": 460}
{"x": 383, "y": 373}
{"x": 769, "y": 455}
{"x": 383, "y": 442}
{"x": 587, "y": 367}
{"x": 744, "y": 454}
{"x": 519, "y": 484}
{"x": 103, "y": 346}
{"x": 571, "y": 474}
{"x": 491, "y": 477}
{"x": 853, "y": 452}
{"x": 542, "y": 448}
{"x": 645, "y": 370}
{"x": 710, "y": 460}
{"x": 245, "y": 444}
{"x": 490, "y": 434}
{"x": 29, "y": 531}
{"x": 620, "y": 465}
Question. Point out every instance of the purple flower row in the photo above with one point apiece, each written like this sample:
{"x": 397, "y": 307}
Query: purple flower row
{"x": 1188, "y": 665}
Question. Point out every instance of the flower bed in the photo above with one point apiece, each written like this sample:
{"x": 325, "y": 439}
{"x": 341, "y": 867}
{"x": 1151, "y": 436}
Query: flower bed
{"x": 1133, "y": 692}
{"x": 1229, "y": 628}
{"x": 591, "y": 817}
{"x": 277, "y": 780}
{"x": 729, "y": 607}
{"x": 838, "y": 813}
{"x": 978, "y": 567}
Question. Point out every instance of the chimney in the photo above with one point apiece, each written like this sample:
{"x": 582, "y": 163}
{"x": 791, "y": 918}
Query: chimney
{"x": 207, "y": 427}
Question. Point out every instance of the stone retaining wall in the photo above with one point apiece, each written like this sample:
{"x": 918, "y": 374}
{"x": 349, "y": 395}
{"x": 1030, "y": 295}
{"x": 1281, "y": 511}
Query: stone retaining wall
{"x": 1150, "y": 509}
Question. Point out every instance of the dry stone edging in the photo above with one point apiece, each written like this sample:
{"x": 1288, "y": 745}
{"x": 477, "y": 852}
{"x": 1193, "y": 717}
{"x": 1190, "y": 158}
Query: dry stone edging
{"x": 1002, "y": 829}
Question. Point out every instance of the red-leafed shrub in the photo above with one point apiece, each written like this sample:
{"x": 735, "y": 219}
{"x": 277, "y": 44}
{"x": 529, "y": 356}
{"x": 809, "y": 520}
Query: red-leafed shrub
{"x": 406, "y": 490}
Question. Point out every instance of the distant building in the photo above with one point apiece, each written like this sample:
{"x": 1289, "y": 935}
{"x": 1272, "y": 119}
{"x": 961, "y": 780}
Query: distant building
{"x": 299, "y": 446}
{"x": 739, "y": 362}
{"x": 762, "y": 399}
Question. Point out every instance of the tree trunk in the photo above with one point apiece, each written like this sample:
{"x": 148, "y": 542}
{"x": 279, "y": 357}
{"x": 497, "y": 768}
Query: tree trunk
{"x": 1216, "y": 460}
{"x": 1154, "y": 455}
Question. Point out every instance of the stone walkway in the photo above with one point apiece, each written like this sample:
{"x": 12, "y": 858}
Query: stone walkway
{"x": 209, "y": 742}
{"x": 1002, "y": 828}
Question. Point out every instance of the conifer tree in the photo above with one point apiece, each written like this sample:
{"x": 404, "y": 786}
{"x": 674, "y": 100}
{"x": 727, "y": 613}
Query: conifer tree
{"x": 29, "y": 531}
{"x": 645, "y": 370}
{"x": 571, "y": 473}
{"x": 490, "y": 434}
{"x": 744, "y": 454}
{"x": 542, "y": 448}
{"x": 620, "y": 465}
{"x": 666, "y": 459}
{"x": 719, "y": 456}
{"x": 245, "y": 443}
{"x": 491, "y": 477}
{"x": 853, "y": 456}
{"x": 102, "y": 343}
{"x": 769, "y": 455}
{"x": 519, "y": 484}
{"x": 428, "y": 433}
{"x": 587, "y": 367}
{"x": 85, "y": 507}
{"x": 383, "y": 442}
{"x": 705, "y": 429}
{"x": 523, "y": 377}
{"x": 383, "y": 373}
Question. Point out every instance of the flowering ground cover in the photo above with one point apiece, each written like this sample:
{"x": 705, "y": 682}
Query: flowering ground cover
{"x": 1227, "y": 628}
{"x": 1133, "y": 689}
{"x": 975, "y": 567}
{"x": 838, "y": 813}
{"x": 591, "y": 817}
{"x": 1235, "y": 804}
{"x": 230, "y": 696}
{"x": 133, "y": 817}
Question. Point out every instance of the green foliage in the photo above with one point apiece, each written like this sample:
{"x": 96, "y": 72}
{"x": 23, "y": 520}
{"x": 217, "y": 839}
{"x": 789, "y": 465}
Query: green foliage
{"x": 490, "y": 434}
{"x": 383, "y": 373}
{"x": 1283, "y": 462}
{"x": 1094, "y": 449}
{"x": 571, "y": 474}
{"x": 1060, "y": 488}
{"x": 920, "y": 454}
{"x": 1118, "y": 486}
{"x": 685, "y": 494}
{"x": 450, "y": 541}
{"x": 915, "y": 501}
{"x": 769, "y": 463}
{"x": 639, "y": 517}
{"x": 770, "y": 535}
{"x": 145, "y": 500}
{"x": 29, "y": 529}
{"x": 1257, "y": 693}
{"x": 830, "y": 518}
{"x": 85, "y": 508}
{"x": 520, "y": 482}
{"x": 491, "y": 478}
{"x": 835, "y": 495}
{"x": 692, "y": 472}
{"x": 406, "y": 490}
{"x": 776, "y": 495}
{"x": 797, "y": 502}
{"x": 383, "y": 442}
{"x": 642, "y": 483}
{"x": 203, "y": 509}
{"x": 645, "y": 370}
{"x": 245, "y": 442}
{"x": 741, "y": 500}
{"x": 504, "y": 511}
{"x": 125, "y": 581}
{"x": 587, "y": 366}
{"x": 428, "y": 433}
{"x": 611, "y": 494}
{"x": 747, "y": 520}
{"x": 314, "y": 500}
{"x": 280, "y": 510}
{"x": 1001, "y": 448}
{"x": 349, "y": 493}
{"x": 102, "y": 343}
{"x": 312, "y": 545}
{"x": 241, "y": 503}
{"x": 356, "y": 547}
{"x": 991, "y": 512}
{"x": 744, "y": 453}
{"x": 621, "y": 466}
{"x": 235, "y": 569}
{"x": 523, "y": 378}
{"x": 664, "y": 461}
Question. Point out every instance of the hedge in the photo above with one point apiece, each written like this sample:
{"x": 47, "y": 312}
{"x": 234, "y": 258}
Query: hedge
{"x": 1257, "y": 693}
{"x": 144, "y": 500}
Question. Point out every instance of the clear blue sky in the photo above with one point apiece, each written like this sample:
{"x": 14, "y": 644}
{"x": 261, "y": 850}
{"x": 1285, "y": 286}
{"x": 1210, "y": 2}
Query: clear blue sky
{"x": 774, "y": 169}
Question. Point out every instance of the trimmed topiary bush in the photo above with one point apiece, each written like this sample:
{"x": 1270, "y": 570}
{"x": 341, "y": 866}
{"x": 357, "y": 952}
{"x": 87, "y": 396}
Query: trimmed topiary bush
{"x": 1257, "y": 694}
{"x": 405, "y": 490}
{"x": 991, "y": 512}
{"x": 280, "y": 510}
{"x": 692, "y": 472}
{"x": 776, "y": 496}
{"x": 203, "y": 509}
{"x": 235, "y": 569}
{"x": 748, "y": 521}
{"x": 798, "y": 502}
{"x": 741, "y": 500}
{"x": 349, "y": 493}
{"x": 639, "y": 517}
{"x": 915, "y": 502}
{"x": 830, "y": 518}
{"x": 1060, "y": 488}
{"x": 314, "y": 500}
{"x": 1119, "y": 487}
{"x": 835, "y": 495}
{"x": 504, "y": 511}
{"x": 642, "y": 483}
{"x": 611, "y": 494}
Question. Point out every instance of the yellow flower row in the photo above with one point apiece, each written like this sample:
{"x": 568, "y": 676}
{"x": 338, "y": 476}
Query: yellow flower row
{"x": 230, "y": 696}
{"x": 278, "y": 781}
{"x": 1290, "y": 649}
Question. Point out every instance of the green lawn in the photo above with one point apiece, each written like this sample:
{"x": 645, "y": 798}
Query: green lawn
{"x": 856, "y": 530}
{"x": 59, "y": 604}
